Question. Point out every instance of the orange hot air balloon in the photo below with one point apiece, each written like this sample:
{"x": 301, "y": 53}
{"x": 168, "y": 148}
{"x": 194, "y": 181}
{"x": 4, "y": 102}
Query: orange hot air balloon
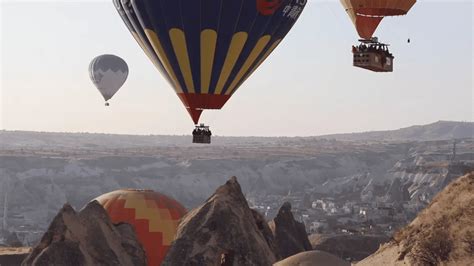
{"x": 367, "y": 14}
{"x": 154, "y": 216}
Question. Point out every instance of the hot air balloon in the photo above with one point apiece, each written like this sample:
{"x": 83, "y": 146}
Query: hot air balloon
{"x": 154, "y": 216}
{"x": 207, "y": 49}
{"x": 366, "y": 16}
{"x": 108, "y": 73}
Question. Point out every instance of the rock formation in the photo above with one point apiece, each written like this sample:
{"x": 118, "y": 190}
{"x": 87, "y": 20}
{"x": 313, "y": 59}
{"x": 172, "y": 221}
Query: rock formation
{"x": 443, "y": 233}
{"x": 313, "y": 258}
{"x": 222, "y": 231}
{"x": 87, "y": 237}
{"x": 266, "y": 232}
{"x": 290, "y": 235}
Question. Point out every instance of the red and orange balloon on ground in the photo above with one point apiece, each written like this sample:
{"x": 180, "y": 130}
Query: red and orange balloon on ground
{"x": 154, "y": 216}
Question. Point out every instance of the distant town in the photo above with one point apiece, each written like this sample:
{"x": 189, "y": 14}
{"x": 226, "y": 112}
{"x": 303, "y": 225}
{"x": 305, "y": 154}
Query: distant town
{"x": 326, "y": 215}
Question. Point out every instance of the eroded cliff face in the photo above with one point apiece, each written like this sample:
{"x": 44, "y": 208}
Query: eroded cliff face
{"x": 428, "y": 168}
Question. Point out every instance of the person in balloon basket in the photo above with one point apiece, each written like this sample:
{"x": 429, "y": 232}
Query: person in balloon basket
{"x": 201, "y": 132}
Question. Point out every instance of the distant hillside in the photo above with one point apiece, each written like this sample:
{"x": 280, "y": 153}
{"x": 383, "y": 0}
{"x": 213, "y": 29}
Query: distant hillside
{"x": 442, "y": 234}
{"x": 441, "y": 130}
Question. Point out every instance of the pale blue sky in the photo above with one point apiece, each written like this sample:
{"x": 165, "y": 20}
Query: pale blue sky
{"x": 306, "y": 87}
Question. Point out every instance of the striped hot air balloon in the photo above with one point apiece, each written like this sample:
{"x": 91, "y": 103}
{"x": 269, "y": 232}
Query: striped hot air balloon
{"x": 367, "y": 14}
{"x": 154, "y": 216}
{"x": 206, "y": 49}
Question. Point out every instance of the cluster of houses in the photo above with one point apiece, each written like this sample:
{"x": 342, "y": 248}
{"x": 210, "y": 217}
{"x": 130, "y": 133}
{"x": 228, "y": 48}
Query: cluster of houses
{"x": 329, "y": 215}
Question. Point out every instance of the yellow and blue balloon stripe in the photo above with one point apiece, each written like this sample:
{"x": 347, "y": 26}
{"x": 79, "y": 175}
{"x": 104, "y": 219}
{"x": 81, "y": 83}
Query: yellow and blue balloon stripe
{"x": 208, "y": 47}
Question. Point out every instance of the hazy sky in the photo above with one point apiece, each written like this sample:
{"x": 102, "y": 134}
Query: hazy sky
{"x": 306, "y": 87}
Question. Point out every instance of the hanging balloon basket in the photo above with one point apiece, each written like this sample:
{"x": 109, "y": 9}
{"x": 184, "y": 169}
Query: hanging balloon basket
{"x": 373, "y": 55}
{"x": 202, "y": 134}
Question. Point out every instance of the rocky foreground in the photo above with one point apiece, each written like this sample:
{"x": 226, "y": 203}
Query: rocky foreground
{"x": 443, "y": 233}
{"x": 225, "y": 231}
{"x": 222, "y": 230}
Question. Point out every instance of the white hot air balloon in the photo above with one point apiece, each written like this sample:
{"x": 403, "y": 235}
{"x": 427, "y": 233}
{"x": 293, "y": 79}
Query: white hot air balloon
{"x": 108, "y": 73}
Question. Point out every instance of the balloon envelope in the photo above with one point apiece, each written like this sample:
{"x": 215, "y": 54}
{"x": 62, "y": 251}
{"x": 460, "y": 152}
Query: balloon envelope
{"x": 367, "y": 14}
{"x": 207, "y": 48}
{"x": 154, "y": 216}
{"x": 108, "y": 73}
